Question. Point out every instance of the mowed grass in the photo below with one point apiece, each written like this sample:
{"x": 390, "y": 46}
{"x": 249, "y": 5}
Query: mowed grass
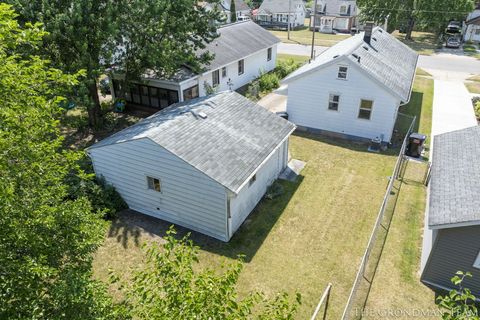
{"x": 473, "y": 86}
{"x": 281, "y": 57}
{"x": 315, "y": 233}
{"x": 421, "y": 72}
{"x": 397, "y": 292}
{"x": 423, "y": 42}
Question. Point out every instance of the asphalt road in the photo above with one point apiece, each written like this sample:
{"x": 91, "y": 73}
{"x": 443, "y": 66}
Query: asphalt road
{"x": 452, "y": 63}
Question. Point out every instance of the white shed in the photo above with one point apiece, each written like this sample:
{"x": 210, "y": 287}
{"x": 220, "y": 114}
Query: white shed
{"x": 355, "y": 88}
{"x": 202, "y": 164}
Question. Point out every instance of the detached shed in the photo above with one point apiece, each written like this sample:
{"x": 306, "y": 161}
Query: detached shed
{"x": 203, "y": 164}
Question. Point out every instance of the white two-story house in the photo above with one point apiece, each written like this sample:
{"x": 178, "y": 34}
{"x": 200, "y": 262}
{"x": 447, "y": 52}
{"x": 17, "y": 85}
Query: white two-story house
{"x": 335, "y": 16}
{"x": 471, "y": 29}
{"x": 275, "y": 13}
{"x": 355, "y": 88}
{"x": 242, "y": 52}
{"x": 242, "y": 10}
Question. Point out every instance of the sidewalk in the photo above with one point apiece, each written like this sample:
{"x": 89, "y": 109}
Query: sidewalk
{"x": 452, "y": 107}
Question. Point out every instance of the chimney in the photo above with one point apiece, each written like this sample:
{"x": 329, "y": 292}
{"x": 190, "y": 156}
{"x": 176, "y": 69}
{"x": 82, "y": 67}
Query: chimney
{"x": 367, "y": 36}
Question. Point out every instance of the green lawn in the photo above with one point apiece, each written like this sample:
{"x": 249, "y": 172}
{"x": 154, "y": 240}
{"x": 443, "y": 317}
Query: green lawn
{"x": 298, "y": 59}
{"x": 471, "y": 50}
{"x": 397, "y": 285}
{"x": 474, "y": 78}
{"x": 473, "y": 87}
{"x": 423, "y": 42}
{"x": 421, "y": 72}
{"x": 314, "y": 234}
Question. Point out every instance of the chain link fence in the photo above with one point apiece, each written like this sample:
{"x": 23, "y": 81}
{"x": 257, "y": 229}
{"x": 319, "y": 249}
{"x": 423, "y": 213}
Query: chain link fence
{"x": 371, "y": 258}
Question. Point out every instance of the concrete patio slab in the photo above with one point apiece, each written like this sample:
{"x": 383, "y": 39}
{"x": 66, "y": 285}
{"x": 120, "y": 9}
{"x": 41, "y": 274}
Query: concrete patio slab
{"x": 292, "y": 171}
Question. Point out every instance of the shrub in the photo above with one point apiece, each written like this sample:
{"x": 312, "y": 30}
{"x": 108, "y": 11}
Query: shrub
{"x": 268, "y": 82}
{"x": 103, "y": 197}
{"x": 477, "y": 109}
{"x": 284, "y": 68}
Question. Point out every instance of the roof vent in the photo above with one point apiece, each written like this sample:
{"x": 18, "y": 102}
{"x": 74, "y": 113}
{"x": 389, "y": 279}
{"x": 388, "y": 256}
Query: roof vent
{"x": 335, "y": 56}
{"x": 373, "y": 38}
{"x": 202, "y": 115}
{"x": 365, "y": 47}
{"x": 356, "y": 56}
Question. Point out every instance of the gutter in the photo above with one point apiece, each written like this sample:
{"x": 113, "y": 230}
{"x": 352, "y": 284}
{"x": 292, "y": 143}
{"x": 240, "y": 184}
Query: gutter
{"x": 411, "y": 85}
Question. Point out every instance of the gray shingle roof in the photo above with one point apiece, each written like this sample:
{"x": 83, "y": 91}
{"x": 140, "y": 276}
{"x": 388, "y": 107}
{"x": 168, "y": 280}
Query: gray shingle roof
{"x": 455, "y": 178}
{"x": 279, "y": 6}
{"x": 386, "y": 59}
{"x": 237, "y": 41}
{"x": 228, "y": 146}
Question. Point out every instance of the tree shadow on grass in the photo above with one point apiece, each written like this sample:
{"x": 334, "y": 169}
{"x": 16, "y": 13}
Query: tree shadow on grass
{"x": 132, "y": 228}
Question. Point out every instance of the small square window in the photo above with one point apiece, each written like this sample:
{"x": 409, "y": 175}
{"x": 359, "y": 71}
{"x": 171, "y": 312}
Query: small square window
{"x": 252, "y": 180}
{"x": 224, "y": 72}
{"x": 342, "y": 72}
{"x": 241, "y": 67}
{"x": 154, "y": 184}
{"x": 333, "y": 102}
{"x": 269, "y": 54}
{"x": 476, "y": 264}
{"x": 477, "y": 32}
{"x": 365, "y": 111}
{"x": 343, "y": 9}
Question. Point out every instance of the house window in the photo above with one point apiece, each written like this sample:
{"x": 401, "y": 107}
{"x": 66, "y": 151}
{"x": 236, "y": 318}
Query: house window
{"x": 333, "y": 102}
{"x": 190, "y": 93}
{"x": 154, "y": 184}
{"x": 365, "y": 109}
{"x": 477, "y": 32}
{"x": 224, "y": 72}
{"x": 241, "y": 67}
{"x": 252, "y": 180}
{"x": 343, "y": 9}
{"x": 215, "y": 78}
{"x": 476, "y": 264}
{"x": 342, "y": 72}
{"x": 269, "y": 54}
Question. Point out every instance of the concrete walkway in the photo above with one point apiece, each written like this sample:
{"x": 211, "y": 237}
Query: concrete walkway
{"x": 275, "y": 101}
{"x": 452, "y": 107}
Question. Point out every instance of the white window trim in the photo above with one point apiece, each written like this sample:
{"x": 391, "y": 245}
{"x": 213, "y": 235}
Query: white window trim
{"x": 360, "y": 108}
{"x": 346, "y": 73}
{"x": 330, "y": 100}
{"x": 153, "y": 177}
{"x": 476, "y": 264}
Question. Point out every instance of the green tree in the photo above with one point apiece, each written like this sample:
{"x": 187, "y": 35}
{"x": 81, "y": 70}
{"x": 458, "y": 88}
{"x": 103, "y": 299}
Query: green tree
{"x": 46, "y": 240}
{"x": 459, "y": 304}
{"x": 80, "y": 37}
{"x": 160, "y": 36}
{"x": 170, "y": 288}
{"x": 233, "y": 11}
{"x": 432, "y": 15}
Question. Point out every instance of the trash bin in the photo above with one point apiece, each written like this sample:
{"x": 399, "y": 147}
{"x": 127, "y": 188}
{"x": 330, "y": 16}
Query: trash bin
{"x": 415, "y": 145}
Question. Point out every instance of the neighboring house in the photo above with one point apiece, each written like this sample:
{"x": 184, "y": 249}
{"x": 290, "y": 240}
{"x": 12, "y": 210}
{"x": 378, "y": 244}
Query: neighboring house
{"x": 355, "y": 88}
{"x": 472, "y": 26}
{"x": 202, "y": 164}
{"x": 452, "y": 227}
{"x": 274, "y": 13}
{"x": 241, "y": 8}
{"x": 242, "y": 52}
{"x": 335, "y": 16}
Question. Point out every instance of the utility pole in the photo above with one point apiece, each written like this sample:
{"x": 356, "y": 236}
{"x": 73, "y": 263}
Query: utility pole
{"x": 314, "y": 28}
{"x": 289, "y": 14}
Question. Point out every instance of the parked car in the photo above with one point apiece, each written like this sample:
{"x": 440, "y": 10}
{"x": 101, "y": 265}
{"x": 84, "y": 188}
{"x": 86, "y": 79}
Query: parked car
{"x": 453, "y": 42}
{"x": 454, "y": 27}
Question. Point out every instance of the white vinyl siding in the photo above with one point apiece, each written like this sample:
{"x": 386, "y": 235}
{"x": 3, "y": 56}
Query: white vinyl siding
{"x": 188, "y": 197}
{"x": 307, "y": 92}
{"x": 253, "y": 67}
{"x": 248, "y": 197}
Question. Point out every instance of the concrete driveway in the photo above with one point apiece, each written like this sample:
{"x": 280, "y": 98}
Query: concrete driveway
{"x": 275, "y": 101}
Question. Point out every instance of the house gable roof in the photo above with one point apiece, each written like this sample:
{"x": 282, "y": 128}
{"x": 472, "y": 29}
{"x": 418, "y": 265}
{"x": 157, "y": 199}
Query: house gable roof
{"x": 234, "y": 139}
{"x": 385, "y": 59}
{"x": 455, "y": 179}
{"x": 279, "y": 6}
{"x": 237, "y": 41}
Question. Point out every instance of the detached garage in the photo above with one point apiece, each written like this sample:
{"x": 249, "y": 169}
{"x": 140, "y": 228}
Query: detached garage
{"x": 203, "y": 164}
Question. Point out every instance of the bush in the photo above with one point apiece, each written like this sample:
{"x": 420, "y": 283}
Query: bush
{"x": 284, "y": 68}
{"x": 268, "y": 82}
{"x": 103, "y": 197}
{"x": 477, "y": 109}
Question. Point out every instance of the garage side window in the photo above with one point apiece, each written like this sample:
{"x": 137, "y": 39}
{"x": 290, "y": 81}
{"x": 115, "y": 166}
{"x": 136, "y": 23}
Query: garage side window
{"x": 365, "y": 111}
{"x": 342, "y": 72}
{"x": 477, "y": 262}
{"x": 154, "y": 184}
